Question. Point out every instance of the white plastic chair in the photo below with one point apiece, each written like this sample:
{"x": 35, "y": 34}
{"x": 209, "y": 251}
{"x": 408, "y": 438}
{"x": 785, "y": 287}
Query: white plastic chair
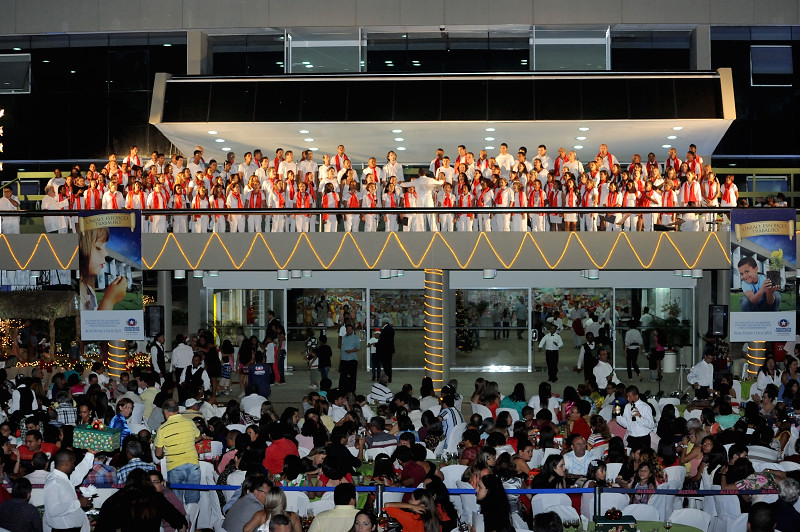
{"x": 612, "y": 470}
{"x": 481, "y": 410}
{"x": 370, "y": 454}
{"x": 469, "y": 503}
{"x": 599, "y": 451}
{"x": 511, "y": 412}
{"x": 664, "y": 503}
{"x": 675, "y": 476}
{"x": 437, "y": 453}
{"x": 691, "y": 517}
{"x": 537, "y": 459}
{"x": 728, "y": 509}
{"x": 694, "y": 414}
{"x": 788, "y": 466}
{"x": 657, "y": 406}
{"x": 613, "y": 500}
{"x": 739, "y": 523}
{"x": 452, "y": 475}
{"x": 641, "y": 512}
{"x": 566, "y": 513}
{"x": 303, "y": 451}
{"x": 542, "y": 502}
{"x": 454, "y": 437}
{"x": 606, "y": 413}
{"x": 669, "y": 401}
{"x": 297, "y": 501}
{"x": 238, "y": 426}
{"x": 550, "y": 452}
{"x": 736, "y": 386}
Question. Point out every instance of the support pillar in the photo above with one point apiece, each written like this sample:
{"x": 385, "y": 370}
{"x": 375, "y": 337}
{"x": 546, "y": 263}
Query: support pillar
{"x": 197, "y": 61}
{"x": 700, "y": 56}
{"x": 437, "y": 319}
{"x": 198, "y": 305}
{"x": 164, "y": 295}
{"x": 117, "y": 356}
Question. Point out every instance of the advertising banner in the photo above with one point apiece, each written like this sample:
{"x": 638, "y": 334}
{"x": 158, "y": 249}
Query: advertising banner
{"x": 110, "y": 285}
{"x": 763, "y": 302}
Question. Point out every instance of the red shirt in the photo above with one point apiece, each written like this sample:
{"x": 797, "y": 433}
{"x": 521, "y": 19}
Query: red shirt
{"x": 47, "y": 448}
{"x": 414, "y": 471}
{"x": 275, "y": 453}
{"x": 582, "y": 428}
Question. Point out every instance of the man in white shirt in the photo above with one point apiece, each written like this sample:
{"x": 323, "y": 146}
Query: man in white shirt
{"x": 372, "y": 169}
{"x": 637, "y": 418}
{"x": 338, "y": 405}
{"x": 577, "y": 460}
{"x": 603, "y": 372}
{"x": 247, "y": 168}
{"x": 196, "y": 164}
{"x": 181, "y": 357}
{"x": 286, "y": 165}
{"x": 446, "y": 171}
{"x": 437, "y": 162}
{"x": 633, "y": 343}
{"x": 393, "y": 168}
{"x": 308, "y": 165}
{"x": 9, "y": 225}
{"x": 177, "y": 167}
{"x": 54, "y": 224}
{"x": 547, "y": 163}
{"x": 608, "y": 160}
{"x": 63, "y": 508}
{"x": 504, "y": 160}
{"x": 551, "y": 342}
{"x": 702, "y": 374}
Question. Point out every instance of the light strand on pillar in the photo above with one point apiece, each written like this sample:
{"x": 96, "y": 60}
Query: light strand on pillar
{"x": 2, "y": 114}
{"x": 756, "y": 355}
{"x": 117, "y": 357}
{"x": 434, "y": 350}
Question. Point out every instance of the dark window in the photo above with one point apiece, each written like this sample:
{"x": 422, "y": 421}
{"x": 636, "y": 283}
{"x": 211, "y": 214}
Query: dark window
{"x": 370, "y": 100}
{"x": 324, "y": 102}
{"x": 558, "y": 99}
{"x": 278, "y": 101}
{"x": 511, "y": 100}
{"x": 417, "y": 100}
{"x": 232, "y": 102}
{"x": 187, "y": 102}
{"x": 464, "y": 100}
{"x": 604, "y": 100}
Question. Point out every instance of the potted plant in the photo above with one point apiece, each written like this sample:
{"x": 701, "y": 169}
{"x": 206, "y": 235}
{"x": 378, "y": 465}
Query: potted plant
{"x": 774, "y": 267}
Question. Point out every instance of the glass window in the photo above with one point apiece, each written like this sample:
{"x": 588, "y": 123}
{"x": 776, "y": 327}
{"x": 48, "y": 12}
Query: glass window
{"x": 771, "y": 65}
{"x": 329, "y": 50}
{"x": 566, "y": 48}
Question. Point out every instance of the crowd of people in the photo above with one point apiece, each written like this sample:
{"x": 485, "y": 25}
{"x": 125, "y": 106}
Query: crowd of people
{"x": 171, "y": 422}
{"x": 465, "y": 181}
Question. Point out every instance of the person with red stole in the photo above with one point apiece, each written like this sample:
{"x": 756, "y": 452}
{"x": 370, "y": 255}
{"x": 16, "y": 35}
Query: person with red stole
{"x": 200, "y": 202}
{"x": 235, "y": 201}
{"x": 277, "y": 200}
{"x": 446, "y": 199}
{"x": 254, "y": 198}
{"x": 303, "y": 223}
{"x": 519, "y": 221}
{"x": 330, "y": 200}
{"x": 178, "y": 200}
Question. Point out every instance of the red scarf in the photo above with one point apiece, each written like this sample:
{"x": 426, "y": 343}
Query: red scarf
{"x": 216, "y": 205}
{"x": 482, "y": 164}
{"x": 727, "y": 193}
{"x": 325, "y": 203}
{"x": 674, "y": 162}
{"x": 552, "y": 198}
{"x": 611, "y": 201}
{"x": 586, "y": 197}
{"x": 141, "y": 199}
{"x": 179, "y": 201}
{"x": 669, "y": 198}
{"x": 371, "y": 200}
{"x": 436, "y": 164}
{"x": 537, "y": 196}
{"x": 481, "y": 202}
{"x": 447, "y": 201}
{"x": 114, "y": 201}
{"x": 157, "y": 197}
{"x": 302, "y": 201}
{"x": 689, "y": 189}
{"x": 238, "y": 198}
{"x": 610, "y": 158}
{"x": 255, "y": 195}
{"x": 339, "y": 160}
{"x": 696, "y": 167}
{"x": 465, "y": 200}
{"x": 502, "y": 196}
{"x": 558, "y": 163}
{"x": 521, "y": 199}
{"x": 406, "y": 198}
{"x": 277, "y": 163}
{"x": 196, "y": 202}
{"x": 291, "y": 190}
{"x": 391, "y": 200}
{"x": 93, "y": 199}
{"x": 711, "y": 189}
{"x": 571, "y": 198}
{"x": 352, "y": 202}
{"x": 281, "y": 201}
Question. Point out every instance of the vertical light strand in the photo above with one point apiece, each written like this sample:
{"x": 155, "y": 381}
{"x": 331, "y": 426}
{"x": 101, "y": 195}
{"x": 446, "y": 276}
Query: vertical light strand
{"x": 434, "y": 341}
{"x": 2, "y": 114}
{"x": 117, "y": 357}
{"x": 756, "y": 355}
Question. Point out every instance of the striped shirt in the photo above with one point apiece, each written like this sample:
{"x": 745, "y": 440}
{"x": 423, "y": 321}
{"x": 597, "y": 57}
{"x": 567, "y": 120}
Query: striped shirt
{"x": 177, "y": 436}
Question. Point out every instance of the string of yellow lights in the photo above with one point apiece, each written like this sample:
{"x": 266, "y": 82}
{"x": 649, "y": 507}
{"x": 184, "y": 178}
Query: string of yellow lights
{"x": 601, "y": 264}
{"x": 756, "y": 355}
{"x": 117, "y": 358}
{"x": 434, "y": 328}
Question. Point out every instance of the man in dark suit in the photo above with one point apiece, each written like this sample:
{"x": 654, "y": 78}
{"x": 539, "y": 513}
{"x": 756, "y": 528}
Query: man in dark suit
{"x": 385, "y": 348}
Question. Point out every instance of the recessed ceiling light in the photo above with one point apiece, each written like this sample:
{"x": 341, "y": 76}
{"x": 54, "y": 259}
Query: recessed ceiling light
{"x": 303, "y": 131}
{"x": 309, "y": 66}
{"x": 212, "y": 132}
{"x": 677, "y": 128}
{"x": 672, "y": 137}
{"x": 45, "y": 61}
{"x": 397, "y": 131}
{"x": 308, "y": 139}
{"x": 488, "y": 147}
{"x": 226, "y": 149}
{"x": 306, "y": 63}
{"x": 219, "y": 140}
{"x": 489, "y": 129}
{"x": 580, "y": 138}
{"x": 583, "y": 129}
{"x": 488, "y": 138}
{"x": 313, "y": 149}
{"x": 22, "y": 169}
{"x": 401, "y": 148}
{"x": 73, "y": 71}
{"x": 666, "y": 145}
{"x": 729, "y": 164}
{"x": 404, "y": 36}
{"x": 399, "y": 139}
{"x": 578, "y": 147}
{"x": 166, "y": 45}
{"x": 17, "y": 49}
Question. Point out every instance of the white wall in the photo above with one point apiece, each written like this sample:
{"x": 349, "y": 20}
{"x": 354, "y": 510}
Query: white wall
{"x": 42, "y": 16}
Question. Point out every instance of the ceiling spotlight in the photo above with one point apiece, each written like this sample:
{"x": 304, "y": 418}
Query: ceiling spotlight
{"x": 593, "y": 274}
{"x": 303, "y": 131}
{"x": 197, "y": 274}
{"x": 666, "y": 145}
{"x": 306, "y": 63}
{"x": 401, "y": 148}
{"x": 397, "y": 131}
{"x": 580, "y": 138}
{"x": 399, "y": 139}
{"x": 488, "y": 147}
{"x": 583, "y": 129}
{"x": 17, "y": 49}
{"x": 226, "y": 149}
{"x": 672, "y": 137}
{"x": 308, "y": 139}
{"x": 313, "y": 149}
{"x": 73, "y": 71}
{"x": 213, "y": 273}
{"x": 46, "y": 61}
{"x": 309, "y": 66}
{"x": 212, "y": 132}
{"x": 677, "y": 128}
{"x": 219, "y": 140}
{"x": 283, "y": 275}
{"x": 489, "y": 138}
{"x": 297, "y": 274}
{"x": 386, "y": 274}
{"x": 489, "y": 129}
{"x": 179, "y": 274}
{"x": 489, "y": 274}
{"x": 578, "y": 147}
{"x": 307, "y": 273}
{"x": 166, "y": 45}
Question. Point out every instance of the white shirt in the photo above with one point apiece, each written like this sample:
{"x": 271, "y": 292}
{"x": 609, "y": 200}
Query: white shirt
{"x": 395, "y": 169}
{"x": 246, "y": 170}
{"x": 337, "y": 413}
{"x": 251, "y": 404}
{"x": 62, "y": 508}
{"x": 54, "y": 223}
{"x": 764, "y": 380}
{"x": 601, "y": 371}
{"x": 577, "y": 465}
{"x": 306, "y": 166}
{"x": 9, "y": 224}
{"x": 449, "y": 173}
{"x": 547, "y": 162}
{"x": 285, "y": 167}
{"x": 505, "y": 162}
{"x": 633, "y": 339}
{"x": 701, "y": 373}
{"x": 551, "y": 342}
{"x": 182, "y": 356}
{"x": 194, "y": 168}
{"x": 644, "y": 423}
{"x": 15, "y": 398}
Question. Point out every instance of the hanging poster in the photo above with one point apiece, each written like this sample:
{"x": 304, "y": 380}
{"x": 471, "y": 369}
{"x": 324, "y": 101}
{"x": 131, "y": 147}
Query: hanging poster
{"x": 110, "y": 284}
{"x": 763, "y": 304}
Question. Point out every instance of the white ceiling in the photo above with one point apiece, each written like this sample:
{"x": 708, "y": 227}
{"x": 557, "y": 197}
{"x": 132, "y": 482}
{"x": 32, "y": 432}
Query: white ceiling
{"x": 364, "y": 140}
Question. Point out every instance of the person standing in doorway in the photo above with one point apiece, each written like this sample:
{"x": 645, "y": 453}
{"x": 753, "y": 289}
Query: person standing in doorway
{"x": 521, "y": 313}
{"x": 348, "y": 365}
{"x": 633, "y": 343}
{"x": 551, "y": 342}
{"x": 386, "y": 347}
